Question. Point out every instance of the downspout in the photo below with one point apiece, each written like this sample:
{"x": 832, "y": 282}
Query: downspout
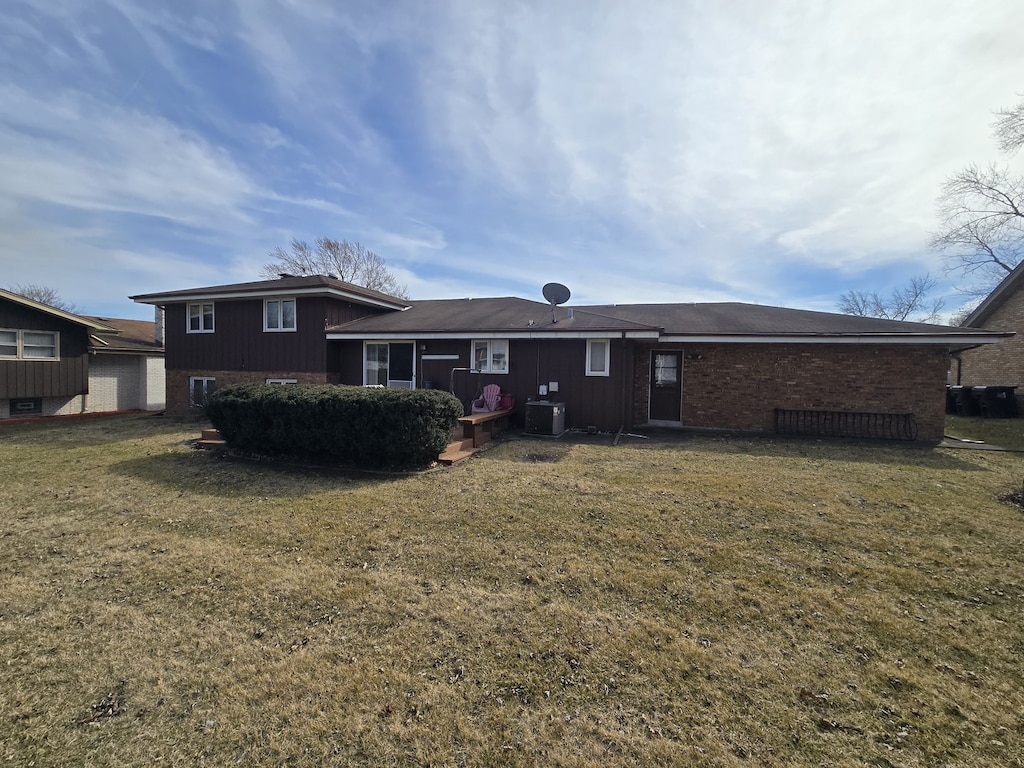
{"x": 626, "y": 372}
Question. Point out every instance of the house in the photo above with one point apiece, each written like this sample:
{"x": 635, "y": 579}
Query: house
{"x": 271, "y": 331}
{"x": 714, "y": 366}
{"x": 57, "y": 363}
{"x": 1002, "y": 364}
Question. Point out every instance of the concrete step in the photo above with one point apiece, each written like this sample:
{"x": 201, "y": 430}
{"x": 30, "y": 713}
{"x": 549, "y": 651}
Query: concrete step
{"x": 210, "y": 434}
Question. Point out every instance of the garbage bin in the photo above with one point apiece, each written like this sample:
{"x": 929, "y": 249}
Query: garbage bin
{"x": 966, "y": 405}
{"x": 995, "y": 402}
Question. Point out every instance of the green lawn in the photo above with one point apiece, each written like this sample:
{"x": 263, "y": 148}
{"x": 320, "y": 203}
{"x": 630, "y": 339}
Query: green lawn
{"x": 1006, "y": 433}
{"x": 708, "y": 601}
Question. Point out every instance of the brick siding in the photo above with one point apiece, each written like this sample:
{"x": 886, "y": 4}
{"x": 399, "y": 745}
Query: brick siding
{"x": 999, "y": 364}
{"x": 177, "y": 389}
{"x": 739, "y": 386}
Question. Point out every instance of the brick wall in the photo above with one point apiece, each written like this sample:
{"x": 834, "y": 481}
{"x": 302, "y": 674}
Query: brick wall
{"x": 177, "y": 389}
{"x": 999, "y": 364}
{"x": 738, "y": 386}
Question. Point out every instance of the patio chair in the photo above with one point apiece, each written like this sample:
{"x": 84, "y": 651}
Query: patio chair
{"x": 488, "y": 401}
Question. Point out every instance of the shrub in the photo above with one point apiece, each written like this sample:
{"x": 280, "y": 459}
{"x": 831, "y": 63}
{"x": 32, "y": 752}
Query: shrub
{"x": 366, "y": 427}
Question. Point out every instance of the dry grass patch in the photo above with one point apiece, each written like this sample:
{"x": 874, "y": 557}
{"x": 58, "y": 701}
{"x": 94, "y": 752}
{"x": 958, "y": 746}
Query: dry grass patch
{"x": 709, "y": 602}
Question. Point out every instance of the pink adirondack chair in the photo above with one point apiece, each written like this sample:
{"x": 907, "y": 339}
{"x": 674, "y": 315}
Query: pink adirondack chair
{"x": 488, "y": 401}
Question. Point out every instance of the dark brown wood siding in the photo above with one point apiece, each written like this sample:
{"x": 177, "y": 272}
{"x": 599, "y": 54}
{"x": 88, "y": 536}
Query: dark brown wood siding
{"x": 65, "y": 377}
{"x": 589, "y": 400}
{"x": 239, "y": 342}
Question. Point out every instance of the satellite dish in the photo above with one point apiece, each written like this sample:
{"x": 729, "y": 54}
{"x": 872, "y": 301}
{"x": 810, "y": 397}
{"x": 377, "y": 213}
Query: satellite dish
{"x": 556, "y": 294}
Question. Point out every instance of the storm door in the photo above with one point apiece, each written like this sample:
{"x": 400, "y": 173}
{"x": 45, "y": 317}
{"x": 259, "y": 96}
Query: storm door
{"x": 666, "y": 387}
{"x": 390, "y": 364}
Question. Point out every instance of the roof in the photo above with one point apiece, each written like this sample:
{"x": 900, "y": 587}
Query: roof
{"x": 994, "y": 300}
{"x": 305, "y": 285}
{"x": 751, "y": 320}
{"x": 70, "y": 317}
{"x": 507, "y": 316}
{"x": 127, "y": 336}
{"x": 722, "y": 322}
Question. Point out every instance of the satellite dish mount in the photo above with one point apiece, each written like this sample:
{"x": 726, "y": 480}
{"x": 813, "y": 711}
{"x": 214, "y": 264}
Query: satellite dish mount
{"x": 556, "y": 294}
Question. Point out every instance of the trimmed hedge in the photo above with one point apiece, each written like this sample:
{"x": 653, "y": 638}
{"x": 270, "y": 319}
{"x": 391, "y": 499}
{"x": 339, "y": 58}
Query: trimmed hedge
{"x": 363, "y": 426}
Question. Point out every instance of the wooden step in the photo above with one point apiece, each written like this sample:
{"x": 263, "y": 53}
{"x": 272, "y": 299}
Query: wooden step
{"x": 210, "y": 439}
{"x": 455, "y": 451}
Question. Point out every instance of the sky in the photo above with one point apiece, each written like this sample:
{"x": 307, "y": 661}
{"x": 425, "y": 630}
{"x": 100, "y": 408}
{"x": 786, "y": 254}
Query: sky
{"x": 762, "y": 151}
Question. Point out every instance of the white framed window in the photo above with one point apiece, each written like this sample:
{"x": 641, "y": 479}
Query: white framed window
{"x": 9, "y": 344}
{"x": 279, "y": 315}
{"x": 29, "y": 345}
{"x": 200, "y": 317}
{"x": 282, "y": 381}
{"x": 598, "y": 357}
{"x": 490, "y": 356}
{"x": 199, "y": 389}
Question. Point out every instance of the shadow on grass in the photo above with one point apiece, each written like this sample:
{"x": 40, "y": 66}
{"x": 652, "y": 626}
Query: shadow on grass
{"x": 92, "y": 430}
{"x": 219, "y": 474}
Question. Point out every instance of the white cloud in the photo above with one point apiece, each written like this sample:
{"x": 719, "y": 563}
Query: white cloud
{"x": 825, "y": 129}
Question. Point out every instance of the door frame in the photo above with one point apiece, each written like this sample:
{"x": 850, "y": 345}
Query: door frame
{"x": 650, "y": 387}
{"x": 393, "y": 383}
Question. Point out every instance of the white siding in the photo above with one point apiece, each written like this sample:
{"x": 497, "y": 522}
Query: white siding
{"x": 125, "y": 383}
{"x": 156, "y": 384}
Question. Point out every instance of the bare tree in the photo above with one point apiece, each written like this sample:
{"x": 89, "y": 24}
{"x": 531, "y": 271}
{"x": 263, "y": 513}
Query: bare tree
{"x": 1009, "y": 128}
{"x": 346, "y": 261}
{"x": 907, "y": 303}
{"x": 981, "y": 214}
{"x": 44, "y": 295}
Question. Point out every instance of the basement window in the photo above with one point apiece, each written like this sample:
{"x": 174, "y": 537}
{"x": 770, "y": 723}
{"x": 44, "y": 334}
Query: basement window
{"x": 27, "y": 406}
{"x": 199, "y": 390}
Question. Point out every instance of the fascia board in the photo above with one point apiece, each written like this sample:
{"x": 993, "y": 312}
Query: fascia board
{"x": 163, "y": 299}
{"x": 899, "y": 339}
{"x": 496, "y": 335}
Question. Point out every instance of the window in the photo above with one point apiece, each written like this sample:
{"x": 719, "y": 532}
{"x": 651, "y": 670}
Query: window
{"x": 282, "y": 381}
{"x": 199, "y": 389}
{"x": 597, "y": 357}
{"x": 9, "y": 344}
{"x": 39, "y": 345}
{"x": 490, "y": 356}
{"x": 279, "y": 315}
{"x": 666, "y": 369}
{"x": 200, "y": 317}
{"x": 29, "y": 345}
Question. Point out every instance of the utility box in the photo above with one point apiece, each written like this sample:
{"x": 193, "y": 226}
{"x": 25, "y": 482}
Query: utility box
{"x": 545, "y": 418}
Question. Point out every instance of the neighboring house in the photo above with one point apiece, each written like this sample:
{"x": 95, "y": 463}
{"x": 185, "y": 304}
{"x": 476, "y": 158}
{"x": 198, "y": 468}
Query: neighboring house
{"x": 715, "y": 366}
{"x": 1002, "y": 365}
{"x": 57, "y": 363}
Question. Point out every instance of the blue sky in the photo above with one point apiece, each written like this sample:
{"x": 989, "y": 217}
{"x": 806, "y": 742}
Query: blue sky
{"x": 770, "y": 152}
